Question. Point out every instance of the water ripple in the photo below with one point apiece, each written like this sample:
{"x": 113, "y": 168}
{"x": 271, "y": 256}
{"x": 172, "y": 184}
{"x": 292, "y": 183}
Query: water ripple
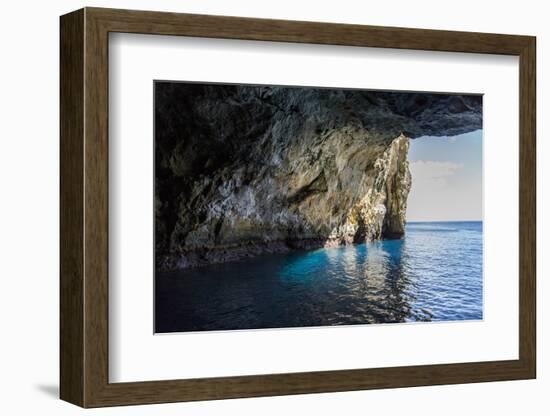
{"x": 433, "y": 274}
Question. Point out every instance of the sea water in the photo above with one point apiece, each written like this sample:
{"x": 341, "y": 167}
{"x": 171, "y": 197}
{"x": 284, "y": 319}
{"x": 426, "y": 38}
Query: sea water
{"x": 434, "y": 273}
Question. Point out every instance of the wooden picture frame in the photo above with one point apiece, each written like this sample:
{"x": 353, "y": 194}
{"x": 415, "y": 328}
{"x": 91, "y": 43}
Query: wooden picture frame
{"x": 84, "y": 207}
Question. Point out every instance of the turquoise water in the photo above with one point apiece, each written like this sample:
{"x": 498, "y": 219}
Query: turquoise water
{"x": 433, "y": 274}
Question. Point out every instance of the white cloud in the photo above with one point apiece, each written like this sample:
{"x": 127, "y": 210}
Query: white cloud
{"x": 441, "y": 191}
{"x": 433, "y": 171}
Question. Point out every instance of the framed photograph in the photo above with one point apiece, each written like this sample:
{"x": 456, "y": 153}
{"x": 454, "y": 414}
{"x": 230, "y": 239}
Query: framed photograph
{"x": 255, "y": 207}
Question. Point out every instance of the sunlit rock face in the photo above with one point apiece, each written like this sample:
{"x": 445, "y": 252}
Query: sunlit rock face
{"x": 244, "y": 170}
{"x": 380, "y": 212}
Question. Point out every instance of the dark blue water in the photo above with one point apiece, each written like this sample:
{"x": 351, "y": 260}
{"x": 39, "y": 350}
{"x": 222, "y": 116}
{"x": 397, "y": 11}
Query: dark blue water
{"x": 433, "y": 274}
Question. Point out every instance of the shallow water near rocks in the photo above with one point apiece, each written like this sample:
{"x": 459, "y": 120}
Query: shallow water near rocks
{"x": 433, "y": 274}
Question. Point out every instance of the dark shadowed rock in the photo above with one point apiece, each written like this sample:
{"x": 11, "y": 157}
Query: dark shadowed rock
{"x": 243, "y": 170}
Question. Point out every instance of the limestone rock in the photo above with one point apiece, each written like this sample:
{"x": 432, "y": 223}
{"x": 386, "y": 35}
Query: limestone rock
{"x": 244, "y": 170}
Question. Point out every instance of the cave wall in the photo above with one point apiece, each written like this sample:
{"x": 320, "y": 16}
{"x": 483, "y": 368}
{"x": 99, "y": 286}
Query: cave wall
{"x": 243, "y": 170}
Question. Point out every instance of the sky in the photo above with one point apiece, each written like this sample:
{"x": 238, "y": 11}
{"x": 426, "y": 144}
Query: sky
{"x": 446, "y": 178}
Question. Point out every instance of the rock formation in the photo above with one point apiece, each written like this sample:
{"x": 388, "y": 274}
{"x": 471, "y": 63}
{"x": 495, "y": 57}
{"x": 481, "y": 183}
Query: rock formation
{"x": 243, "y": 170}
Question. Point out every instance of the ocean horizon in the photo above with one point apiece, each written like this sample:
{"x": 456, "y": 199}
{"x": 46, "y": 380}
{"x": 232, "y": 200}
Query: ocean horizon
{"x": 416, "y": 221}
